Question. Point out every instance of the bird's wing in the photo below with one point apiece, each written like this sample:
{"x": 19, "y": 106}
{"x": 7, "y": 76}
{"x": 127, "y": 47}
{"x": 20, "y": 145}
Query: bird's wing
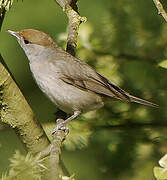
{"x": 81, "y": 75}
{"x": 94, "y": 85}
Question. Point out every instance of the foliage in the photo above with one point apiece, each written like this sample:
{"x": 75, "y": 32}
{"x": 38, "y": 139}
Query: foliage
{"x": 67, "y": 178}
{"x": 6, "y": 4}
{"x": 161, "y": 172}
{"x": 24, "y": 167}
{"x": 163, "y": 64}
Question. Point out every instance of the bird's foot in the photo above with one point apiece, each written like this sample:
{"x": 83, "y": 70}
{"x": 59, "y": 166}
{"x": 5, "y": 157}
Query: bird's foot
{"x": 60, "y": 127}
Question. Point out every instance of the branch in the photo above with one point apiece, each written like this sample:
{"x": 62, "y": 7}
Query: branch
{"x": 71, "y": 10}
{"x": 55, "y": 151}
{"x": 160, "y": 8}
{"x": 16, "y": 112}
{"x": 14, "y": 109}
{"x": 74, "y": 21}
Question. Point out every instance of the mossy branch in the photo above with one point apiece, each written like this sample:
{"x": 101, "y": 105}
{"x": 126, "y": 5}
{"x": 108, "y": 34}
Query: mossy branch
{"x": 16, "y": 112}
{"x": 55, "y": 152}
{"x": 73, "y": 27}
{"x": 14, "y": 109}
{"x": 71, "y": 10}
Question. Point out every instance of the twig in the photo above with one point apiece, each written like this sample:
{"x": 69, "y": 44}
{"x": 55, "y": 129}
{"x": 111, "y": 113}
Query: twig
{"x": 55, "y": 152}
{"x": 70, "y": 8}
{"x": 160, "y": 8}
{"x": 56, "y": 160}
{"x": 74, "y": 21}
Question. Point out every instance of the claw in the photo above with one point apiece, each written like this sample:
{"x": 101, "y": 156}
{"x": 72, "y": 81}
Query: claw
{"x": 61, "y": 127}
{"x": 61, "y": 123}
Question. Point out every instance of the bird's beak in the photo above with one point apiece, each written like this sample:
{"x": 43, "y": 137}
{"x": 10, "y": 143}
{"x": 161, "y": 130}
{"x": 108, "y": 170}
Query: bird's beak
{"x": 13, "y": 33}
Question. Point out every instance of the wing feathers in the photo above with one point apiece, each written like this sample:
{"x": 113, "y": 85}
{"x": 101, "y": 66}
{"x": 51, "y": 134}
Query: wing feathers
{"x": 115, "y": 89}
{"x": 142, "y": 101}
{"x": 90, "y": 80}
{"x": 98, "y": 87}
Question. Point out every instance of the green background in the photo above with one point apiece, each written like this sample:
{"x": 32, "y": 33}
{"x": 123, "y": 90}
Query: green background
{"x": 124, "y": 40}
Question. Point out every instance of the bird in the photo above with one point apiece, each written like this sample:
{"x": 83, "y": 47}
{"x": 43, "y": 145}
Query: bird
{"x": 70, "y": 83}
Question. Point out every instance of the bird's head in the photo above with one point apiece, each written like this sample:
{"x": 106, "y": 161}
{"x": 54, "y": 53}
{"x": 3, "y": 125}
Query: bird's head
{"x": 32, "y": 36}
{"x": 33, "y": 42}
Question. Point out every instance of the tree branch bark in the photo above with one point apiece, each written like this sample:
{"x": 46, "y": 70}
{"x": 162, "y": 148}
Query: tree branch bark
{"x": 71, "y": 10}
{"x": 16, "y": 112}
{"x": 160, "y": 8}
{"x": 55, "y": 152}
{"x": 73, "y": 27}
{"x": 14, "y": 109}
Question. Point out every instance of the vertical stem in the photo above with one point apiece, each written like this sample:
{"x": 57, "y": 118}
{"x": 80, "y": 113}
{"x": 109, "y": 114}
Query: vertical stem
{"x": 55, "y": 153}
{"x": 73, "y": 27}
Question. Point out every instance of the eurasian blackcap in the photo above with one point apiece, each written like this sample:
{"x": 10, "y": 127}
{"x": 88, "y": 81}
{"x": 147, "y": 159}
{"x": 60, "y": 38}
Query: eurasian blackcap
{"x": 70, "y": 83}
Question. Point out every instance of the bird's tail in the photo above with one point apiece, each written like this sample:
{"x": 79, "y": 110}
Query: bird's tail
{"x": 142, "y": 101}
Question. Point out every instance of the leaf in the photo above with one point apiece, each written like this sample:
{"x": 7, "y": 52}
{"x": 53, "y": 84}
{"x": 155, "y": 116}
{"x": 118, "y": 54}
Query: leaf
{"x": 24, "y": 167}
{"x": 163, "y": 161}
{"x": 160, "y": 173}
{"x": 6, "y": 4}
{"x": 163, "y": 64}
{"x": 67, "y": 178}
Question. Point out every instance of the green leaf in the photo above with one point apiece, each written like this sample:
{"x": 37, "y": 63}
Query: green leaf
{"x": 24, "y": 167}
{"x": 163, "y": 64}
{"x": 72, "y": 177}
{"x": 160, "y": 173}
{"x": 163, "y": 161}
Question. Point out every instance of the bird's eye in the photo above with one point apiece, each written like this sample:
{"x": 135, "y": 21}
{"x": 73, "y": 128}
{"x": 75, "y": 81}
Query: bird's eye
{"x": 26, "y": 41}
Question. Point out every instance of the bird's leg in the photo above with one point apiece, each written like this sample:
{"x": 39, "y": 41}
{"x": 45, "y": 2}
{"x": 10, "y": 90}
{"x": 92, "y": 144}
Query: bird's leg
{"x": 61, "y": 126}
